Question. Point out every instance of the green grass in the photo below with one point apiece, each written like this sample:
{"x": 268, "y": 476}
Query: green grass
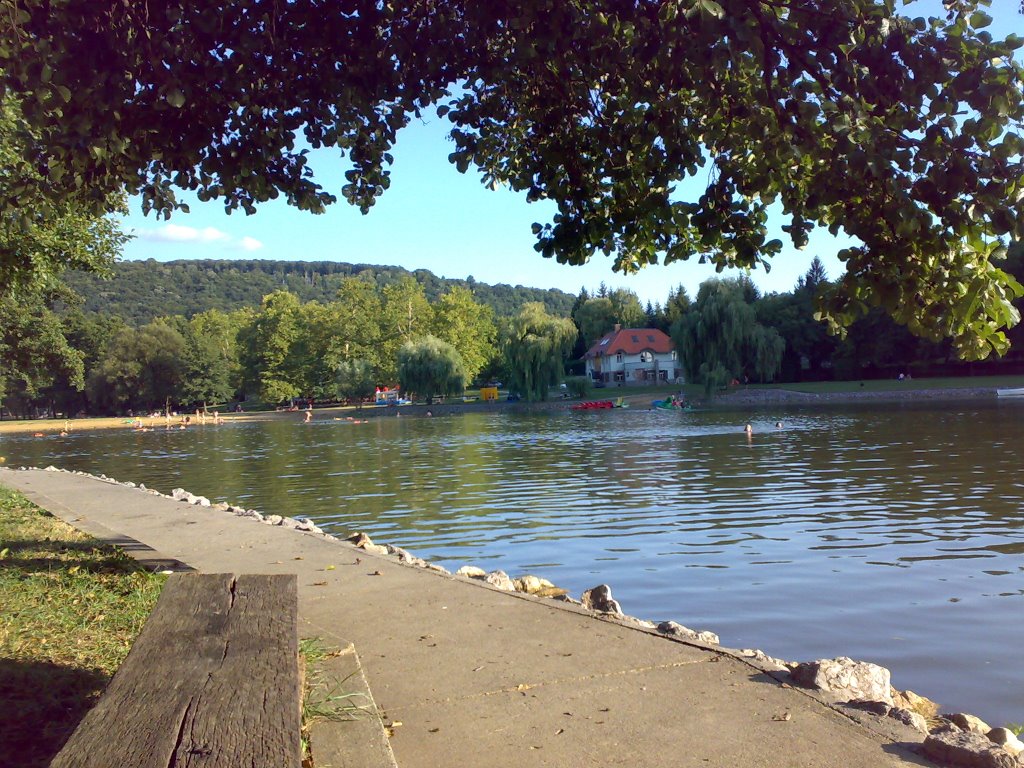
{"x": 324, "y": 698}
{"x": 70, "y": 608}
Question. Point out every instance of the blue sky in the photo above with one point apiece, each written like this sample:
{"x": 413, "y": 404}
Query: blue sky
{"x": 435, "y": 218}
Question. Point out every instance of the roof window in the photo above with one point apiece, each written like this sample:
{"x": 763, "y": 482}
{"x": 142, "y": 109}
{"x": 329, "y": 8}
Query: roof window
{"x": 636, "y": 339}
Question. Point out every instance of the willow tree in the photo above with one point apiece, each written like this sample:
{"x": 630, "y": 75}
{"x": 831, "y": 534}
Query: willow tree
{"x": 719, "y": 338}
{"x": 430, "y": 367}
{"x": 660, "y": 130}
{"x": 535, "y": 346}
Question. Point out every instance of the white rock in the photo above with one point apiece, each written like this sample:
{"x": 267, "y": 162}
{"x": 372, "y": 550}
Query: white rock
{"x": 1007, "y": 739}
{"x": 846, "y": 679}
{"x": 273, "y": 519}
{"x": 763, "y": 658}
{"x": 501, "y": 580}
{"x": 179, "y": 494}
{"x": 966, "y": 722}
{"x": 359, "y": 539}
{"x": 909, "y": 717}
{"x": 531, "y": 584}
{"x": 953, "y": 747}
{"x": 437, "y": 568}
{"x": 471, "y": 572}
{"x": 403, "y": 555}
{"x": 600, "y": 599}
{"x": 201, "y": 501}
{"x": 674, "y": 629}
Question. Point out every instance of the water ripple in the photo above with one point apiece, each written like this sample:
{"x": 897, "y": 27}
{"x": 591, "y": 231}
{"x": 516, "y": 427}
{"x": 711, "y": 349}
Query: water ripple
{"x": 893, "y": 534}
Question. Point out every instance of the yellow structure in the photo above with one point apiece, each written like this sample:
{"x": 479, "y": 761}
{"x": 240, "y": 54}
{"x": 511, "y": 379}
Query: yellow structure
{"x": 488, "y": 393}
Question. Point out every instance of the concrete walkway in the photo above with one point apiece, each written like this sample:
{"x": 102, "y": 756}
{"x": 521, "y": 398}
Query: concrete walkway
{"x": 481, "y": 677}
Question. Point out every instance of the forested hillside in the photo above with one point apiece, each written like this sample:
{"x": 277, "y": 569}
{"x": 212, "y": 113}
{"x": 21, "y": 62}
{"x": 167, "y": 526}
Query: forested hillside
{"x": 142, "y": 290}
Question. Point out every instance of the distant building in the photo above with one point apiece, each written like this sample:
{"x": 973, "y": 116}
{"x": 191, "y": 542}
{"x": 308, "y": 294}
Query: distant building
{"x": 633, "y": 356}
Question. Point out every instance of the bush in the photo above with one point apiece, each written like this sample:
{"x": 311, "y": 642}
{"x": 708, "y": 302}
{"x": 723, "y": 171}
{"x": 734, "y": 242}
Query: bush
{"x": 578, "y": 386}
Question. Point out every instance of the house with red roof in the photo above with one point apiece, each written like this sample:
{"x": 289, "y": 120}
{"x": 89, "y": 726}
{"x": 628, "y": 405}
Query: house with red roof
{"x": 633, "y": 356}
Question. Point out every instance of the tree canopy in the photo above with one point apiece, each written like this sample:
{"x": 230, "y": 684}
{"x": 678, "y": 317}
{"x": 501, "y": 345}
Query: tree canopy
{"x": 898, "y": 132}
{"x": 430, "y": 367}
{"x": 44, "y": 231}
{"x": 719, "y": 338}
{"x": 535, "y": 346}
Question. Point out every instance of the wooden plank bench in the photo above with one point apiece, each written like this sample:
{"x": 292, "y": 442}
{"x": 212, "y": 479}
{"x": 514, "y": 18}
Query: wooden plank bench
{"x": 211, "y": 682}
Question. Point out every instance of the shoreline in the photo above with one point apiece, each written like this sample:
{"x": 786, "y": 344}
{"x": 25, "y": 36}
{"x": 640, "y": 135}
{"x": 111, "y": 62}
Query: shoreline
{"x": 860, "y": 690}
{"x": 741, "y": 398}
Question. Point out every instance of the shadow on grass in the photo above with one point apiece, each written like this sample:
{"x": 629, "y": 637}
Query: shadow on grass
{"x": 50, "y": 555}
{"x": 41, "y": 704}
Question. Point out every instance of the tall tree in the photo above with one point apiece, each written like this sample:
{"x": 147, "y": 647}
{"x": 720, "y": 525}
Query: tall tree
{"x": 629, "y": 313}
{"x": 406, "y": 315}
{"x": 676, "y": 305}
{"x": 34, "y": 352}
{"x": 142, "y": 369}
{"x": 210, "y": 358}
{"x": 595, "y": 318}
{"x": 430, "y": 367}
{"x": 719, "y": 338}
{"x": 267, "y": 349}
{"x": 315, "y": 352}
{"x": 535, "y": 346}
{"x": 358, "y": 310}
{"x": 460, "y": 320}
{"x": 354, "y": 380}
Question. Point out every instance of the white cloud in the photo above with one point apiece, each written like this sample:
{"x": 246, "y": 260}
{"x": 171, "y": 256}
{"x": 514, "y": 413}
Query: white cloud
{"x": 249, "y": 244}
{"x": 176, "y": 233}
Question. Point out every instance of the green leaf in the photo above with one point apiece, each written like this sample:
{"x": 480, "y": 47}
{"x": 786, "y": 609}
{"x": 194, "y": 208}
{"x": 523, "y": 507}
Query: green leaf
{"x": 980, "y": 19}
{"x": 712, "y": 8}
{"x": 176, "y": 98}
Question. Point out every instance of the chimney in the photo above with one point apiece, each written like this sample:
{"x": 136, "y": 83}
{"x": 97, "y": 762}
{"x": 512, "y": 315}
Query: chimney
{"x": 618, "y": 327}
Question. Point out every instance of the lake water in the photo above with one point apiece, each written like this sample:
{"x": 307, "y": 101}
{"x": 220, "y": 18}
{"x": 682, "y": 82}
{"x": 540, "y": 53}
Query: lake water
{"x": 892, "y": 534}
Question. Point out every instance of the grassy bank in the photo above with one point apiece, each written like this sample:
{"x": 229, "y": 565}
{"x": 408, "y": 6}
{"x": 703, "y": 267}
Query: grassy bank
{"x": 70, "y": 608}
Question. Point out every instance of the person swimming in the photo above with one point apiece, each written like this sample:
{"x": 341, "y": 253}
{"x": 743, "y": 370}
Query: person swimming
{"x": 748, "y": 429}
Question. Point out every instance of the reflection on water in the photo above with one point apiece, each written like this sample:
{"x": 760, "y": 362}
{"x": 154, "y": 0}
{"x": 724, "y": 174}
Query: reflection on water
{"x": 892, "y": 534}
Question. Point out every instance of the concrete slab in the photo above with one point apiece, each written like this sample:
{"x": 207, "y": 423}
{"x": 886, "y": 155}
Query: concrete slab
{"x": 476, "y": 675}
